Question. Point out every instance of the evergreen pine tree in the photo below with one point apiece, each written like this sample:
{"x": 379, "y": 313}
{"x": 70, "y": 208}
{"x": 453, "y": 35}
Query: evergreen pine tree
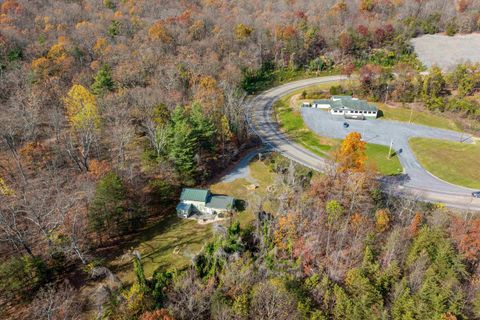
{"x": 139, "y": 272}
{"x": 103, "y": 80}
{"x": 204, "y": 128}
{"x": 403, "y": 307}
{"x": 183, "y": 147}
{"x": 107, "y": 207}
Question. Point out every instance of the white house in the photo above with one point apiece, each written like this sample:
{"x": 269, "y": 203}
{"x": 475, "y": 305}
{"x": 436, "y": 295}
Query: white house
{"x": 203, "y": 202}
{"x": 348, "y": 107}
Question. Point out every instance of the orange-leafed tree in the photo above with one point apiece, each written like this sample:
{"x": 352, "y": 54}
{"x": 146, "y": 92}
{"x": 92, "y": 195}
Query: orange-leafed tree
{"x": 56, "y": 62}
{"x": 158, "y": 32}
{"x": 285, "y": 234}
{"x": 466, "y": 235}
{"x": 10, "y": 6}
{"x": 208, "y": 92}
{"x": 415, "y": 224}
{"x": 352, "y": 156}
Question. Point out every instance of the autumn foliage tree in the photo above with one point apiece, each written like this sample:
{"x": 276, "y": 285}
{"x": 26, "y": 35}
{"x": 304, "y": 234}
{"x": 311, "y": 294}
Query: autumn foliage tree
{"x": 351, "y": 156}
{"x": 382, "y": 220}
{"x": 466, "y": 235}
{"x": 84, "y": 122}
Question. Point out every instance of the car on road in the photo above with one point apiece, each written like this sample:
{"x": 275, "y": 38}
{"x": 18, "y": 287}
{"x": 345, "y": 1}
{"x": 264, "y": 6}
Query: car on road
{"x": 476, "y": 194}
{"x": 346, "y": 125}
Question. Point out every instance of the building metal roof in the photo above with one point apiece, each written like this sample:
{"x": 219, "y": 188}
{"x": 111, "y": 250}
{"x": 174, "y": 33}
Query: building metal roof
{"x": 347, "y": 103}
{"x": 184, "y": 207}
{"x": 190, "y": 194}
{"x": 220, "y": 202}
{"x": 322, "y": 101}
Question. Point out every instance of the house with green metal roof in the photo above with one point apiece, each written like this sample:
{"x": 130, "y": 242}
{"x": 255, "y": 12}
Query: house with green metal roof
{"x": 347, "y": 106}
{"x": 203, "y": 202}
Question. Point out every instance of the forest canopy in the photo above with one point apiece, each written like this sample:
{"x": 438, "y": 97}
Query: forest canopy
{"x": 109, "y": 107}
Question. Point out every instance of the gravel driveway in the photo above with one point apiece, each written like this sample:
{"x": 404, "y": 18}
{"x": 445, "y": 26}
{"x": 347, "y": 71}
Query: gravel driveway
{"x": 241, "y": 169}
{"x": 383, "y": 132}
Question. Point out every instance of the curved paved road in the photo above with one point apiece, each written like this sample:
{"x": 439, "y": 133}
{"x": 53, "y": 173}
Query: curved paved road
{"x": 416, "y": 182}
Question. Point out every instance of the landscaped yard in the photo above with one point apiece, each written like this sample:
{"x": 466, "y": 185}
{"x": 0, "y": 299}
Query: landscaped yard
{"x": 173, "y": 242}
{"x": 454, "y": 162}
{"x": 291, "y": 122}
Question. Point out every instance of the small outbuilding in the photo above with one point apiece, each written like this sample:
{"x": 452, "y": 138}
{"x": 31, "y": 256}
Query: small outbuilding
{"x": 322, "y": 104}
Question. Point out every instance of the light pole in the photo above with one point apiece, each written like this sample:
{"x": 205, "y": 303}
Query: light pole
{"x": 390, "y": 150}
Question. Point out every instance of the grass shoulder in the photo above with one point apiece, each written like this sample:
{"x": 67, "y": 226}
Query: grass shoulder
{"x": 422, "y": 117}
{"x": 453, "y": 162}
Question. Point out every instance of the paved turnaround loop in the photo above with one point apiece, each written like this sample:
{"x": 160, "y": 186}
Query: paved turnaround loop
{"x": 416, "y": 183}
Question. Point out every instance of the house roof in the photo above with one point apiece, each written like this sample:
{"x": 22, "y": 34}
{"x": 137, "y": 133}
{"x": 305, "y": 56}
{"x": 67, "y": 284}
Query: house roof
{"x": 190, "y": 194}
{"x": 220, "y": 202}
{"x": 352, "y": 104}
{"x": 184, "y": 207}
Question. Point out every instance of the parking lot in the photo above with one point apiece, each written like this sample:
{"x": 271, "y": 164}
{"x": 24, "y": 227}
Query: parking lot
{"x": 383, "y": 132}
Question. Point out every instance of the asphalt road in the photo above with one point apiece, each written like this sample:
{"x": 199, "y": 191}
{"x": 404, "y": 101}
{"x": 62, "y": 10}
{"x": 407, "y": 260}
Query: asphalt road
{"x": 416, "y": 182}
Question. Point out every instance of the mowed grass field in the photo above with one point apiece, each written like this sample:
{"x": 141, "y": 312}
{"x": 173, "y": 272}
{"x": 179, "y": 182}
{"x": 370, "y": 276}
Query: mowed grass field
{"x": 172, "y": 242}
{"x": 291, "y": 122}
{"x": 453, "y": 162}
{"x": 419, "y": 117}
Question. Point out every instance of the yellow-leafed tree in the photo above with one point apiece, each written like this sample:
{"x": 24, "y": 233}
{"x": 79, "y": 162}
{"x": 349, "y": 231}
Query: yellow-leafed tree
{"x": 352, "y": 156}
{"x": 84, "y": 119}
{"x": 82, "y": 108}
{"x": 5, "y": 189}
{"x": 382, "y": 220}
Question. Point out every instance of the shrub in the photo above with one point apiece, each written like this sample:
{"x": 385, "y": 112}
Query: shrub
{"x": 22, "y": 276}
{"x": 451, "y": 28}
{"x": 114, "y": 28}
{"x": 336, "y": 90}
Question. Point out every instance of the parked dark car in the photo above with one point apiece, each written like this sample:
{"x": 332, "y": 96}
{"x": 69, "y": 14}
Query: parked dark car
{"x": 346, "y": 125}
{"x": 476, "y": 194}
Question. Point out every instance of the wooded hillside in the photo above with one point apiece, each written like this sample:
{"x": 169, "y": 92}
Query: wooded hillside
{"x": 109, "y": 107}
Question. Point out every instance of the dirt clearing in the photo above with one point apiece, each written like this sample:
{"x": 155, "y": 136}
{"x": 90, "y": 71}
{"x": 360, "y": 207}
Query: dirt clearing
{"x": 446, "y": 52}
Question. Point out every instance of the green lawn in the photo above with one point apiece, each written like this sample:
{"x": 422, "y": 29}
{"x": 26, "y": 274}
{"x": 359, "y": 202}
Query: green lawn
{"x": 419, "y": 117}
{"x": 378, "y": 157}
{"x": 450, "y": 161}
{"x": 260, "y": 175}
{"x": 173, "y": 242}
{"x": 291, "y": 122}
{"x": 170, "y": 243}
